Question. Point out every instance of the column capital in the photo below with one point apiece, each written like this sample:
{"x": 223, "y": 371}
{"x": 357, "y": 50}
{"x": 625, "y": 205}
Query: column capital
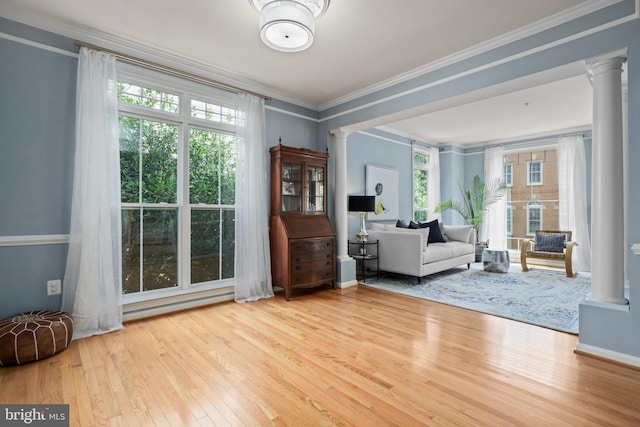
{"x": 339, "y": 133}
{"x": 604, "y": 63}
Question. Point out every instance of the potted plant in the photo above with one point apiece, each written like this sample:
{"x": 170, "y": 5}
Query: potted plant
{"x": 475, "y": 201}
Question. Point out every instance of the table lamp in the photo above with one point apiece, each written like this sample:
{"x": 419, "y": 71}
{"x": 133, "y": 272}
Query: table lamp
{"x": 362, "y": 204}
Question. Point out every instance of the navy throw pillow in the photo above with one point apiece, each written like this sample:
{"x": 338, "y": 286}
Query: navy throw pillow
{"x": 414, "y": 225}
{"x": 550, "y": 242}
{"x": 401, "y": 224}
{"x": 435, "y": 235}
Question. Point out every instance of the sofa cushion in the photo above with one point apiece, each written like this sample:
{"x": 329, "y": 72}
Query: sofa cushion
{"x": 437, "y": 252}
{"x": 442, "y": 251}
{"x": 425, "y": 234}
{"x": 460, "y": 233}
{"x": 460, "y": 248}
{"x": 435, "y": 236}
{"x": 428, "y": 224}
{"x": 444, "y": 235}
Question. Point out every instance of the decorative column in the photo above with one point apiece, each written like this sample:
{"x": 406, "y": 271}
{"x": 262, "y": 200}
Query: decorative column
{"x": 607, "y": 192}
{"x": 345, "y": 264}
{"x": 341, "y": 194}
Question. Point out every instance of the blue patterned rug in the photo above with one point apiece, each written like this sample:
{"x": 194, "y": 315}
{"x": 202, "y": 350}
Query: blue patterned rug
{"x": 541, "y": 297}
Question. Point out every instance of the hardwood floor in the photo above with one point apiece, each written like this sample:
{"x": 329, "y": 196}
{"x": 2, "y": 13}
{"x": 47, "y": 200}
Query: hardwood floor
{"x": 357, "y": 356}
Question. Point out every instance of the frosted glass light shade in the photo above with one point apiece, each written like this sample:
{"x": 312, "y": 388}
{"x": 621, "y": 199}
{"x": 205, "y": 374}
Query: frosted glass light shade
{"x": 288, "y": 25}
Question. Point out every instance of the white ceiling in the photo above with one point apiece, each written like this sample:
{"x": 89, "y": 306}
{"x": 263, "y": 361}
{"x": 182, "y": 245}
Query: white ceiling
{"x": 560, "y": 106}
{"x": 359, "y": 44}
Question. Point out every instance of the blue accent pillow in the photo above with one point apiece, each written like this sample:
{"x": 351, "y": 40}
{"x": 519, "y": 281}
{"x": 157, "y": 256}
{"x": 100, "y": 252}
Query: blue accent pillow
{"x": 401, "y": 224}
{"x": 435, "y": 235}
{"x": 414, "y": 225}
{"x": 550, "y": 242}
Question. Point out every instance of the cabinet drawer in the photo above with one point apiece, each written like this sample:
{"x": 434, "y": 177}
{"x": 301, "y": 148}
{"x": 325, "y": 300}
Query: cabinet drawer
{"x": 312, "y": 271}
{"x": 311, "y": 245}
{"x": 303, "y": 257}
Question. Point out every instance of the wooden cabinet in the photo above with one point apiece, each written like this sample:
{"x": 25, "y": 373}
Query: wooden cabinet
{"x": 302, "y": 238}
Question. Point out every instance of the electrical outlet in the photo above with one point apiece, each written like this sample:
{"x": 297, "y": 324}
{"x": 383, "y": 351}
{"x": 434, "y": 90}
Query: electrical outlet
{"x": 54, "y": 287}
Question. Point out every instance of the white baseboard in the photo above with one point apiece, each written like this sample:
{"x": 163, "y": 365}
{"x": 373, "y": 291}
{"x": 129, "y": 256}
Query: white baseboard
{"x": 603, "y": 353}
{"x": 348, "y": 284}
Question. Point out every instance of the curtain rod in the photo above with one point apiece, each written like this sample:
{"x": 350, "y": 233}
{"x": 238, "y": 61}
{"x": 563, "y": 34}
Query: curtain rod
{"x": 534, "y": 141}
{"x": 172, "y": 71}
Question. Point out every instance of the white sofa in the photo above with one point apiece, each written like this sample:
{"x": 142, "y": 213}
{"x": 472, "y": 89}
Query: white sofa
{"x": 405, "y": 251}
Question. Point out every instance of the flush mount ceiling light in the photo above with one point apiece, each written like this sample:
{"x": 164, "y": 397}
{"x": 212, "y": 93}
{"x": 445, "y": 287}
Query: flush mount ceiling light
{"x": 288, "y": 25}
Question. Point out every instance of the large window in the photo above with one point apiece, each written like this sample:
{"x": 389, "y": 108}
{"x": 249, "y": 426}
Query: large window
{"x": 532, "y": 197}
{"x": 420, "y": 180}
{"x": 177, "y": 160}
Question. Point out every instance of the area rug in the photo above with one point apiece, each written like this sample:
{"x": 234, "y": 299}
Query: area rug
{"x": 540, "y": 297}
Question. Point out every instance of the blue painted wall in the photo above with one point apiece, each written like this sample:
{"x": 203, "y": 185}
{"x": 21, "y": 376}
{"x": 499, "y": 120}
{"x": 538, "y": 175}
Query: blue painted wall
{"x": 37, "y": 115}
{"x": 298, "y": 127}
{"x": 378, "y": 149}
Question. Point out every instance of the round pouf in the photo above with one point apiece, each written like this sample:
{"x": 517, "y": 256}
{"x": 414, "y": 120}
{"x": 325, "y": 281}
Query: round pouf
{"x": 32, "y": 336}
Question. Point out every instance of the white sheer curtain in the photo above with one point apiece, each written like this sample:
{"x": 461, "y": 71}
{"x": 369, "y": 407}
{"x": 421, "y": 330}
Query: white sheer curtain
{"x": 92, "y": 289}
{"x": 572, "y": 189}
{"x": 252, "y": 258}
{"x": 433, "y": 184}
{"x": 494, "y": 221}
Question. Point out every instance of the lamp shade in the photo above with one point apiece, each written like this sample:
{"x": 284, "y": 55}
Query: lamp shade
{"x": 362, "y": 203}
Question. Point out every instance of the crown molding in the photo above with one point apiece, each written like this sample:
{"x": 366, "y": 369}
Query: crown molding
{"x": 527, "y": 139}
{"x": 37, "y": 45}
{"x": 384, "y": 138}
{"x": 513, "y": 36}
{"x": 148, "y": 52}
{"x": 175, "y": 60}
{"x": 404, "y": 135}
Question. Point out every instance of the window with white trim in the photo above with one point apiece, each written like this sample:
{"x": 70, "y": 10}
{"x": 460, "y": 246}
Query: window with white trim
{"x": 534, "y": 217}
{"x": 508, "y": 174}
{"x": 534, "y": 173}
{"x": 509, "y": 219}
{"x": 177, "y": 159}
{"x": 420, "y": 180}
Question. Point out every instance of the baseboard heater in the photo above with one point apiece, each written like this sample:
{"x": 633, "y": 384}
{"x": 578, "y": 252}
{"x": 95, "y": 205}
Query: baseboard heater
{"x": 156, "y": 307}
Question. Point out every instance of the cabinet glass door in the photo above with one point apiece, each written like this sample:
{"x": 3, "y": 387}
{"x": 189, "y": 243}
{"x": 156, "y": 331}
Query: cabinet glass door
{"x": 315, "y": 191}
{"x": 291, "y": 187}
